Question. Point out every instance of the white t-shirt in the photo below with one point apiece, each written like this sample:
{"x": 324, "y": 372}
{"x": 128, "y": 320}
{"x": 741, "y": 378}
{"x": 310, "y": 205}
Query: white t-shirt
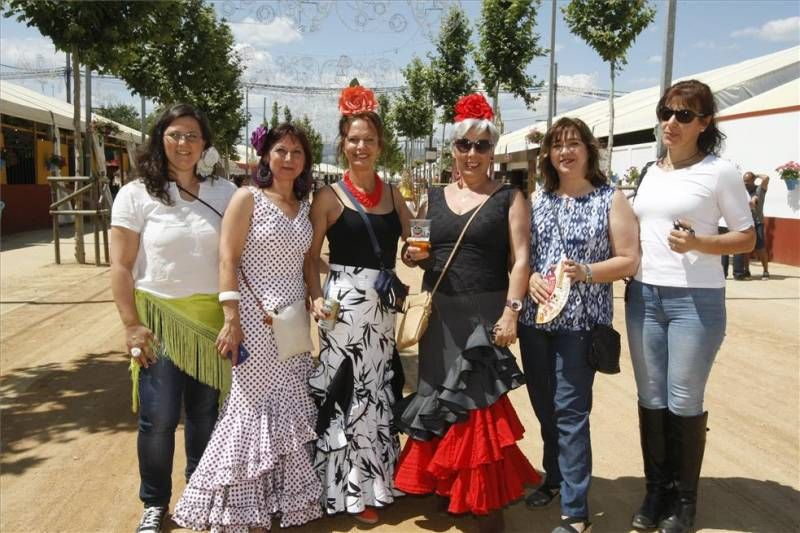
{"x": 699, "y": 194}
{"x": 178, "y": 244}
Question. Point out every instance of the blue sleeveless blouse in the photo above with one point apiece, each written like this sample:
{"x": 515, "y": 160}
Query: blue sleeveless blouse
{"x": 584, "y": 225}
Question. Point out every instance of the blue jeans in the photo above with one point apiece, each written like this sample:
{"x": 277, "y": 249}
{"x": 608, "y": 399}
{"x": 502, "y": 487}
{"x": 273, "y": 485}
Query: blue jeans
{"x": 674, "y": 334}
{"x": 559, "y": 381}
{"x": 162, "y": 386}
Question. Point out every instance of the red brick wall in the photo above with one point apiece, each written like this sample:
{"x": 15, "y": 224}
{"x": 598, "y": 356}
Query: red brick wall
{"x": 26, "y": 208}
{"x": 783, "y": 240}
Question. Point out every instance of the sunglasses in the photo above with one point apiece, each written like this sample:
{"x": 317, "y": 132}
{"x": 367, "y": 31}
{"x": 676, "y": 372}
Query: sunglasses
{"x": 465, "y": 145}
{"x": 684, "y": 116}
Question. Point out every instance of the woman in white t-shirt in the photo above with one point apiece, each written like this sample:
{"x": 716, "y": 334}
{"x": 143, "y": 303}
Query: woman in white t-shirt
{"x": 164, "y": 274}
{"x": 675, "y": 309}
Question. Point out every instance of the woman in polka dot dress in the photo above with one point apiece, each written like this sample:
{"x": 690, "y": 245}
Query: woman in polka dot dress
{"x": 258, "y": 464}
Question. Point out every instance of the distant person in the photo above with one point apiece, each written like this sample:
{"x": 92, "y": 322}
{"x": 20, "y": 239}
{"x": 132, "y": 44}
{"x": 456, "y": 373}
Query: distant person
{"x": 757, "y": 195}
{"x": 675, "y": 311}
{"x": 164, "y": 275}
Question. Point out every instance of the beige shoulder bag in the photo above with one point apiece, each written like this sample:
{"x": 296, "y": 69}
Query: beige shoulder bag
{"x": 417, "y": 308}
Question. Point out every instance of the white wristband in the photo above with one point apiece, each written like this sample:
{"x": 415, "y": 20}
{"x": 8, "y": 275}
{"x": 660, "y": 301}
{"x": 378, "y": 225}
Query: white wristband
{"x": 226, "y": 296}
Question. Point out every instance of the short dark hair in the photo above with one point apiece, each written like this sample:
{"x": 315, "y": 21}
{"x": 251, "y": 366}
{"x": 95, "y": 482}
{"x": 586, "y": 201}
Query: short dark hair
{"x": 263, "y": 175}
{"x": 551, "y": 180}
{"x": 346, "y": 120}
{"x": 151, "y": 163}
{"x": 698, "y": 97}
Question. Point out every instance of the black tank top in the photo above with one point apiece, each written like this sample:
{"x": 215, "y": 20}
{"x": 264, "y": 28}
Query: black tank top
{"x": 348, "y": 239}
{"x": 481, "y": 262}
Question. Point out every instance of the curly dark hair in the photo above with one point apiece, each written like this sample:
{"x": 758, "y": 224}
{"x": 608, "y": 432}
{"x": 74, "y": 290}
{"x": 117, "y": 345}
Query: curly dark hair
{"x": 262, "y": 177}
{"x": 556, "y": 132}
{"x": 344, "y": 127}
{"x": 152, "y": 166}
{"x": 698, "y": 97}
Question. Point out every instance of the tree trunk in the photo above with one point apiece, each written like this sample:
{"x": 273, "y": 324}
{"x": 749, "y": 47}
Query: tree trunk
{"x": 611, "y": 123}
{"x": 498, "y": 121}
{"x": 77, "y": 152}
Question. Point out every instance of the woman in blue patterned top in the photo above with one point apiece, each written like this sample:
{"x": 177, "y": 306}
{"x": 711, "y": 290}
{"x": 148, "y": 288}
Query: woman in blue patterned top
{"x": 580, "y": 219}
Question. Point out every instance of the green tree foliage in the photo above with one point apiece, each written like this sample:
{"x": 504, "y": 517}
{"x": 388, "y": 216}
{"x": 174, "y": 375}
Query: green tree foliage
{"x": 198, "y": 65}
{"x": 450, "y": 75}
{"x": 274, "y": 120}
{"x": 314, "y": 139}
{"x": 391, "y": 159}
{"x": 287, "y": 114}
{"x": 413, "y": 112}
{"x": 122, "y": 113}
{"x": 610, "y": 27}
{"x": 506, "y": 47}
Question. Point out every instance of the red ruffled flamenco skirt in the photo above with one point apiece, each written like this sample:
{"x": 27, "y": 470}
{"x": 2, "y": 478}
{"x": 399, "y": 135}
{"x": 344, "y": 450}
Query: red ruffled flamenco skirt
{"x": 477, "y": 463}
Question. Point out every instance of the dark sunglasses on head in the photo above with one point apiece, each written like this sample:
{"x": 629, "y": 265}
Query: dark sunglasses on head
{"x": 465, "y": 145}
{"x": 684, "y": 116}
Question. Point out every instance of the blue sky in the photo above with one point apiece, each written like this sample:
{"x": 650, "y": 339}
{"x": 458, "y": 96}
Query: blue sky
{"x": 306, "y": 43}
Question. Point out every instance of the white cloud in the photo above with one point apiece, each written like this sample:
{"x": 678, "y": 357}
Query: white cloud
{"x": 779, "y": 30}
{"x": 262, "y": 35}
{"x": 31, "y": 53}
{"x": 654, "y": 59}
{"x": 579, "y": 81}
{"x": 646, "y": 81}
{"x": 570, "y": 87}
{"x": 713, "y": 45}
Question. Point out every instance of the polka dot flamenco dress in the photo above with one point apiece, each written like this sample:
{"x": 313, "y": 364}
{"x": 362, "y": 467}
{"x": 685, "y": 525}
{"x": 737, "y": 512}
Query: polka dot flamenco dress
{"x": 258, "y": 464}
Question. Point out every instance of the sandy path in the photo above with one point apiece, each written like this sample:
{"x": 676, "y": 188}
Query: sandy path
{"x": 68, "y": 437}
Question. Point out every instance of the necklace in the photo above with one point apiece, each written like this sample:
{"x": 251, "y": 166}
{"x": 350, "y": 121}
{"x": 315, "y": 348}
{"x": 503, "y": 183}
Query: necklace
{"x": 680, "y": 163}
{"x": 366, "y": 199}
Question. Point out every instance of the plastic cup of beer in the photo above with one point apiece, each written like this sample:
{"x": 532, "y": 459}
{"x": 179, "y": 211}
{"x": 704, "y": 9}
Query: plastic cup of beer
{"x": 420, "y": 235}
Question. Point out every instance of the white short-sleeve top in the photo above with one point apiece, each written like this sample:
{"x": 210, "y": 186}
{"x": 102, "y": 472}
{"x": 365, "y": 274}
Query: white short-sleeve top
{"x": 178, "y": 244}
{"x": 700, "y": 194}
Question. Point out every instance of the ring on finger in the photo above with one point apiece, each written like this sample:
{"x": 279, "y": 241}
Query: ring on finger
{"x": 136, "y": 352}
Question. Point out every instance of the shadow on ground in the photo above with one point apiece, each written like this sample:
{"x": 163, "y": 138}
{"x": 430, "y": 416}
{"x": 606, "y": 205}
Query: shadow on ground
{"x": 58, "y": 402}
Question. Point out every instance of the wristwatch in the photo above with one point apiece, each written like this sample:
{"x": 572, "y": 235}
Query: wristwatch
{"x": 514, "y": 304}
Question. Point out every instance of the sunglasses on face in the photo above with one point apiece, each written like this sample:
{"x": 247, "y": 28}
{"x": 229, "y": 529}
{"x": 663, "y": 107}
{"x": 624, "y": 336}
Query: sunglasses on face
{"x": 684, "y": 116}
{"x": 465, "y": 145}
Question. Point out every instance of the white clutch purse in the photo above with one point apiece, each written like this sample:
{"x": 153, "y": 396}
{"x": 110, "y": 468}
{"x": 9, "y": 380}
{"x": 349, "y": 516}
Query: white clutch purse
{"x": 292, "y": 329}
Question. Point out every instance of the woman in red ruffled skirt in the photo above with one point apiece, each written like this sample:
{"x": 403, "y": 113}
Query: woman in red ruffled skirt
{"x": 462, "y": 428}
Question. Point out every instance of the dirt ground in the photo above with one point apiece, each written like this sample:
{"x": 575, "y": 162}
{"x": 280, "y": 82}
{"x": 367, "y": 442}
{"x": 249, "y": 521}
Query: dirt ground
{"x": 69, "y": 438}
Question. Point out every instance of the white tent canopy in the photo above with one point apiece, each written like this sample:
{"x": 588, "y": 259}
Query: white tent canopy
{"x": 17, "y": 101}
{"x": 766, "y": 82}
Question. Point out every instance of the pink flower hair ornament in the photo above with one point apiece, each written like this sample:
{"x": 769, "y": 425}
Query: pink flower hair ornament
{"x": 258, "y": 139}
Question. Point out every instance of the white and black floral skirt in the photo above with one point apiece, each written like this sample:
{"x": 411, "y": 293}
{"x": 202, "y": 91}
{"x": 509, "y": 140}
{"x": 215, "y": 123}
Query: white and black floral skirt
{"x": 357, "y": 445}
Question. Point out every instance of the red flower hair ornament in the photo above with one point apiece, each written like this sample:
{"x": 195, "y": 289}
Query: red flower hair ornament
{"x": 356, "y": 99}
{"x": 473, "y": 106}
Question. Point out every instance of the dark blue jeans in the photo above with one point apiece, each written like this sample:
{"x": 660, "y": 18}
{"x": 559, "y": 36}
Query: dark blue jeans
{"x": 162, "y": 386}
{"x": 559, "y": 381}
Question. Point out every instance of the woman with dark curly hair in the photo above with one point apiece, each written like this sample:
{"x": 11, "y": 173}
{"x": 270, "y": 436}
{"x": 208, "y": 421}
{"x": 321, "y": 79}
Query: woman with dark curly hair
{"x": 675, "y": 310}
{"x": 258, "y": 463}
{"x": 164, "y": 270}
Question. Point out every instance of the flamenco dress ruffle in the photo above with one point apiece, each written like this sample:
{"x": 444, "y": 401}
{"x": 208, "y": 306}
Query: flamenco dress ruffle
{"x": 463, "y": 438}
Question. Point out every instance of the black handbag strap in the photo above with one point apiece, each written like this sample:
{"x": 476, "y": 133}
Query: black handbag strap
{"x": 360, "y": 210}
{"x": 199, "y": 199}
{"x": 641, "y": 178}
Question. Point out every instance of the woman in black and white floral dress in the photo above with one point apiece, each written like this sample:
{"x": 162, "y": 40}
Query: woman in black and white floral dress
{"x": 357, "y": 446}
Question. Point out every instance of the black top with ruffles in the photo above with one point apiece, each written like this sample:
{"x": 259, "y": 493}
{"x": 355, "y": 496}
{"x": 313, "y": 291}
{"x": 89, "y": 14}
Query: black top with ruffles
{"x": 349, "y": 243}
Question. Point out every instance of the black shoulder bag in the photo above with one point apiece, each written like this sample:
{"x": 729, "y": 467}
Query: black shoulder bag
{"x": 606, "y": 347}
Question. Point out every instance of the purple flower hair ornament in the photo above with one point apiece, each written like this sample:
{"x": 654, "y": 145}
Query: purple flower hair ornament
{"x": 258, "y": 139}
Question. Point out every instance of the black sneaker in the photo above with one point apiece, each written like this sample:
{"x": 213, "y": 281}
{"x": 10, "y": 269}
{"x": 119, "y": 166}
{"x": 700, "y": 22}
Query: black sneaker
{"x": 152, "y": 519}
{"x": 765, "y": 275}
